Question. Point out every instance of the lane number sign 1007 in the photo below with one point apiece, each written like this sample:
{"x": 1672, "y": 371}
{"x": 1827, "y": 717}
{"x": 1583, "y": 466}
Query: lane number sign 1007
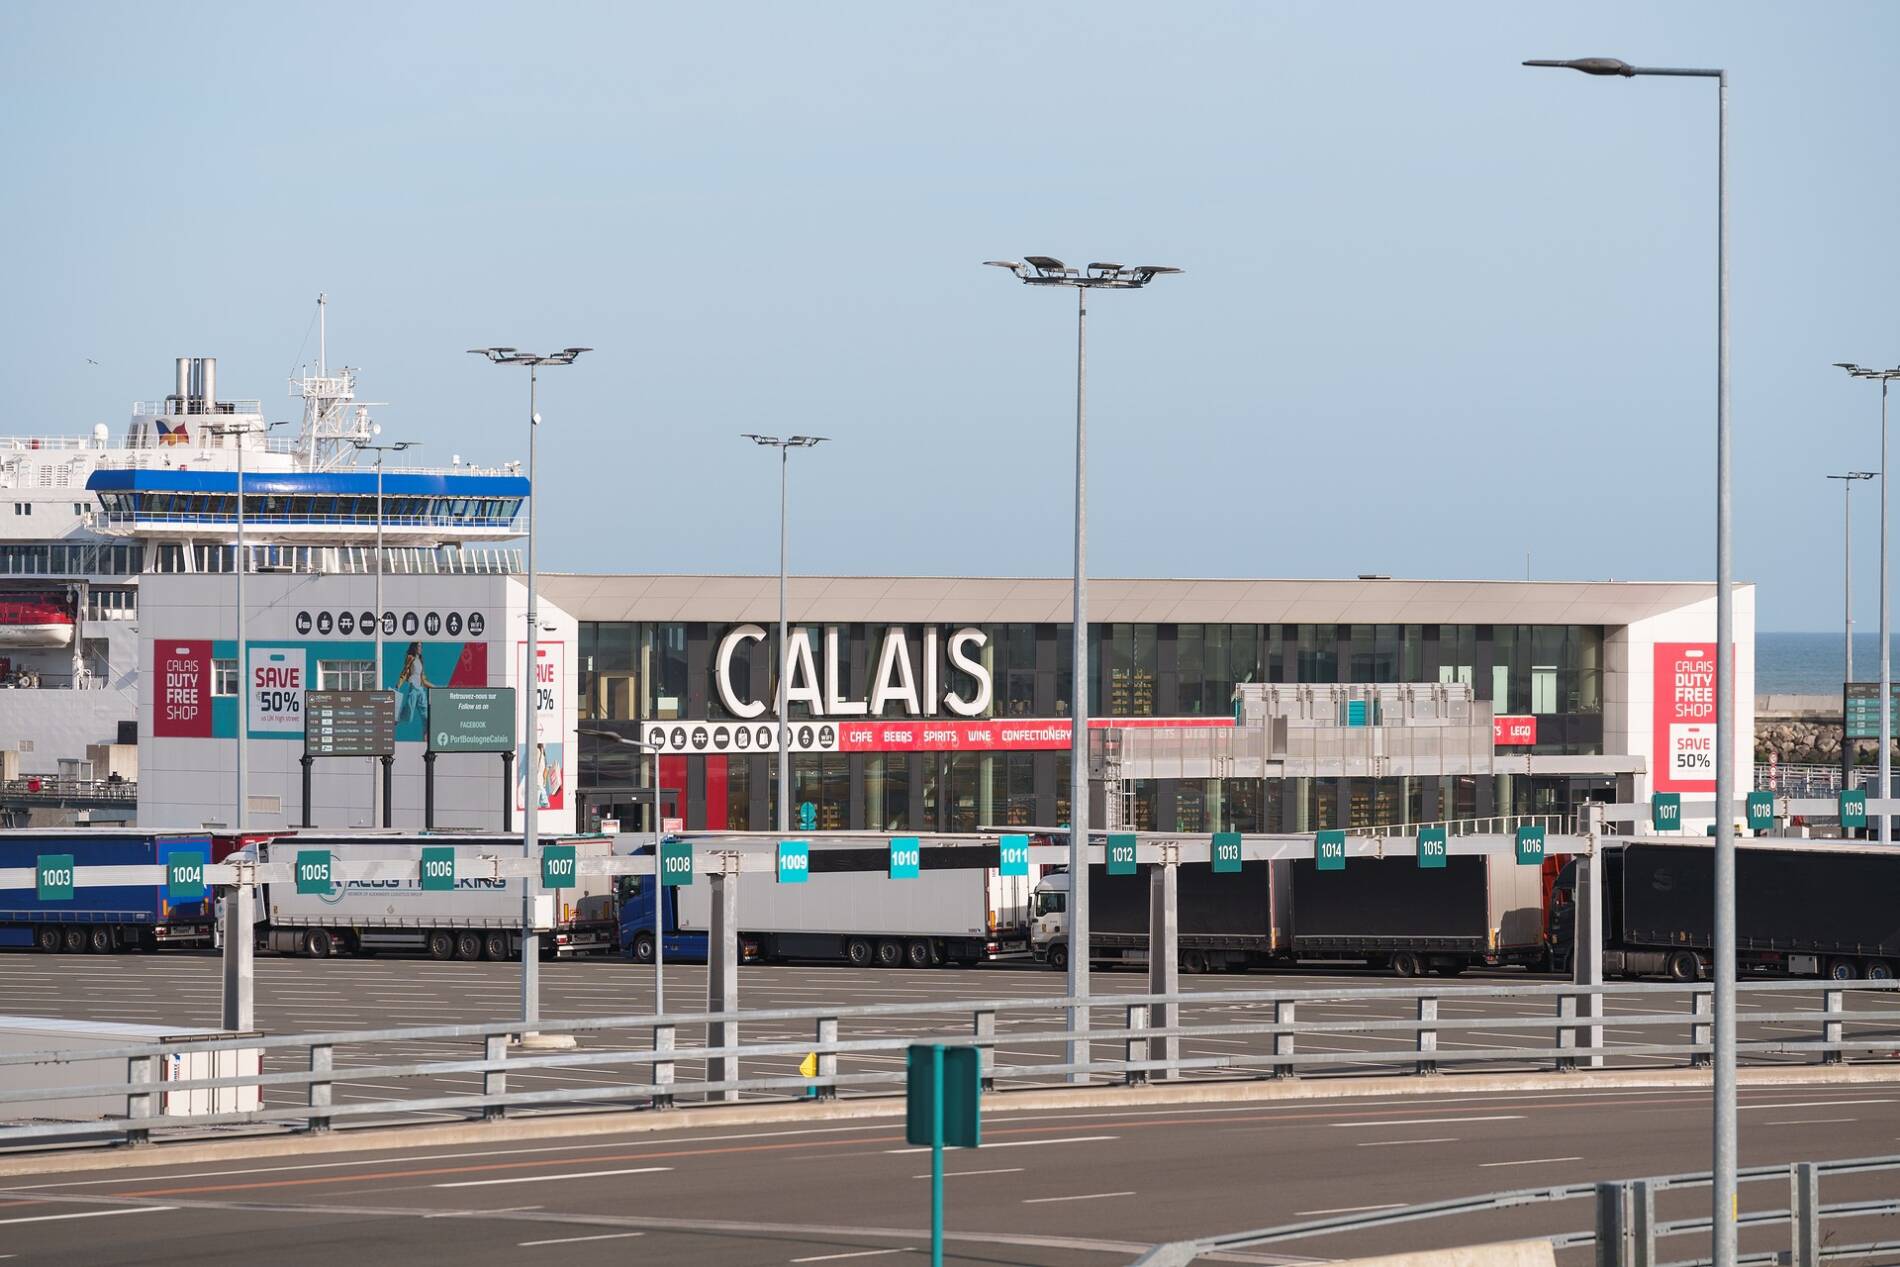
{"x": 558, "y": 867}
{"x": 907, "y": 857}
{"x": 313, "y": 871}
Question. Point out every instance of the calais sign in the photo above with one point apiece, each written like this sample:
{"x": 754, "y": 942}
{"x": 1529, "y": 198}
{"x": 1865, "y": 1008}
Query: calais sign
{"x": 894, "y": 681}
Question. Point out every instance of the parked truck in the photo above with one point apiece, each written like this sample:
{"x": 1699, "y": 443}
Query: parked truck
{"x": 101, "y": 919}
{"x": 1384, "y": 912}
{"x": 1801, "y": 910}
{"x": 959, "y": 910}
{"x": 480, "y": 918}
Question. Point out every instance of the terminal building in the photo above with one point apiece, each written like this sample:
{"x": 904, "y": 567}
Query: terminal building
{"x": 942, "y": 704}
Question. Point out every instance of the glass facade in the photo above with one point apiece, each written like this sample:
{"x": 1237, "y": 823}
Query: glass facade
{"x": 636, "y": 672}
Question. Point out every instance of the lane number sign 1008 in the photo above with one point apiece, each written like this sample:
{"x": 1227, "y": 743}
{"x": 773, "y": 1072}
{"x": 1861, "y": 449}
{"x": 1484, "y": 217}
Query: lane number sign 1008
{"x": 313, "y": 871}
{"x": 557, "y": 867}
{"x": 676, "y": 863}
{"x": 906, "y": 857}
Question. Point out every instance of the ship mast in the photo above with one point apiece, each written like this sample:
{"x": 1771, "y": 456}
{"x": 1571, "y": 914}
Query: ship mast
{"x": 331, "y": 417}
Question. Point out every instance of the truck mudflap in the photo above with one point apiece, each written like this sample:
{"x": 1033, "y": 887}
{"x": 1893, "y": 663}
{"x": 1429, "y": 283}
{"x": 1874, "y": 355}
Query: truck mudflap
{"x": 170, "y": 934}
{"x": 582, "y": 941}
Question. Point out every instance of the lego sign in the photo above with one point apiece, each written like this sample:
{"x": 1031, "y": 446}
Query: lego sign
{"x": 181, "y": 700}
{"x": 1684, "y": 690}
{"x": 1513, "y": 731}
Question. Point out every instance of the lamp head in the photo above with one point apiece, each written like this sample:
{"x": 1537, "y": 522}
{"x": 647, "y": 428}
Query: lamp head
{"x": 1591, "y": 66}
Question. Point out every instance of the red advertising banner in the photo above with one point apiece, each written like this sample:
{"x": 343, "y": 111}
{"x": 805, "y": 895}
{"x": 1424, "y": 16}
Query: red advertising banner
{"x": 181, "y": 697}
{"x": 1512, "y": 731}
{"x": 1684, "y": 689}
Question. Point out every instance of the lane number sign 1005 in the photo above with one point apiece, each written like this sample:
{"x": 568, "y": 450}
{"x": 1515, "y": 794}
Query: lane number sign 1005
{"x": 313, "y": 871}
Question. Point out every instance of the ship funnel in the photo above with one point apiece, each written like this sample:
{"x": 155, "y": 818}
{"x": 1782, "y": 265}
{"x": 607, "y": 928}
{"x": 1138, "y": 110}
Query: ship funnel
{"x": 181, "y": 385}
{"x": 194, "y": 387}
{"x": 210, "y": 384}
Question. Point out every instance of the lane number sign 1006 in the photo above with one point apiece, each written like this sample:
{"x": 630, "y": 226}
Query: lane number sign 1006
{"x": 438, "y": 869}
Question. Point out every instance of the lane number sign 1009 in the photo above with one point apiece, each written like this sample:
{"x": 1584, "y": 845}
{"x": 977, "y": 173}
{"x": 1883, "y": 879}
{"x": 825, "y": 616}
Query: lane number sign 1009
{"x": 794, "y": 861}
{"x": 313, "y": 871}
{"x": 557, "y": 867}
{"x": 907, "y": 856}
{"x": 438, "y": 869}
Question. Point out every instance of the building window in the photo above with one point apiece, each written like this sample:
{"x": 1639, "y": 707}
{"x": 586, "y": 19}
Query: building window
{"x": 345, "y": 675}
{"x": 224, "y": 677}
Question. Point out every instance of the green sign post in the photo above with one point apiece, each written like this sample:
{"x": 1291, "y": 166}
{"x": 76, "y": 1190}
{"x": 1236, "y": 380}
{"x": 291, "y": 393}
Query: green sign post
{"x": 438, "y": 869}
{"x": 313, "y": 871}
{"x": 1226, "y": 852}
{"x": 185, "y": 875}
{"x": 907, "y": 856}
{"x": 1121, "y": 854}
{"x": 676, "y": 862}
{"x": 1013, "y": 855}
{"x": 1761, "y": 811}
{"x": 558, "y": 867}
{"x": 1431, "y": 847}
{"x": 942, "y": 1109}
{"x": 53, "y": 877}
{"x": 1854, "y": 808}
{"x": 471, "y": 719}
{"x": 1665, "y": 812}
{"x": 1329, "y": 850}
{"x": 794, "y": 861}
{"x": 1530, "y": 846}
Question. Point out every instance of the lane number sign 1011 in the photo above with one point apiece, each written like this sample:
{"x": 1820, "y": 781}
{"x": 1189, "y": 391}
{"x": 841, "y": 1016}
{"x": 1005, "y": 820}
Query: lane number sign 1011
{"x": 1013, "y": 855}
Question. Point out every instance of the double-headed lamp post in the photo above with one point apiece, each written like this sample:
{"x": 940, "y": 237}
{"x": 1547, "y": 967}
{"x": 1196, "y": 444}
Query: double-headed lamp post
{"x": 1722, "y": 1196}
{"x": 1885, "y": 830}
{"x": 1042, "y": 270}
{"x": 531, "y": 800}
{"x": 376, "y": 682}
{"x": 659, "y": 893}
{"x": 784, "y": 447}
{"x": 1847, "y": 602}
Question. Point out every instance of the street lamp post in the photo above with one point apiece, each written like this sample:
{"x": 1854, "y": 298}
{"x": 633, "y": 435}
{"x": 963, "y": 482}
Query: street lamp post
{"x": 1042, "y": 270}
{"x": 1723, "y": 1194}
{"x": 1847, "y": 602}
{"x": 379, "y": 450}
{"x": 1885, "y": 760}
{"x": 531, "y": 800}
{"x": 659, "y": 891}
{"x": 784, "y": 447}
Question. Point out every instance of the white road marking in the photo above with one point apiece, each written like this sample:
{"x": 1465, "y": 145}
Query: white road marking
{"x": 1528, "y": 1161}
{"x": 1435, "y": 1121}
{"x": 585, "y": 1174}
{"x": 1024, "y": 1143}
{"x": 958, "y": 1174}
{"x": 1809, "y": 1121}
{"x": 1086, "y": 1196}
{"x": 1810, "y": 1104}
{"x": 87, "y": 1214}
{"x": 575, "y": 1240}
{"x": 1389, "y": 1143}
{"x": 862, "y": 1253}
{"x": 1347, "y": 1209}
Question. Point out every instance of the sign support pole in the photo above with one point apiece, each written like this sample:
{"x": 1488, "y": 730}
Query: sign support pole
{"x": 722, "y": 970}
{"x": 1164, "y": 955}
{"x": 428, "y": 790}
{"x": 240, "y": 993}
{"x": 936, "y": 1155}
{"x": 306, "y": 762}
{"x": 507, "y": 792}
{"x": 389, "y": 782}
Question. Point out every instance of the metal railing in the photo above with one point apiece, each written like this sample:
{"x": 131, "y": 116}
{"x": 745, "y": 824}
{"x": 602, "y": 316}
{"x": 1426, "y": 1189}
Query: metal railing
{"x": 1626, "y": 1228}
{"x": 1151, "y": 1043}
{"x": 1497, "y": 825}
{"x": 47, "y": 789}
{"x": 1812, "y": 780}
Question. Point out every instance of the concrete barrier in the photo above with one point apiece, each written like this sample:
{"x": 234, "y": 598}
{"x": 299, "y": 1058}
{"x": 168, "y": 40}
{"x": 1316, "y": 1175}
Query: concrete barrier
{"x": 1504, "y": 1254}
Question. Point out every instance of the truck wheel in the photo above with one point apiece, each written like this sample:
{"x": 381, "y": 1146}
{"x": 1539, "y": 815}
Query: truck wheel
{"x": 73, "y": 940}
{"x": 1193, "y": 961}
{"x": 47, "y": 938}
{"x": 917, "y": 954}
{"x": 1683, "y": 966}
{"x": 468, "y": 947}
{"x": 316, "y": 943}
{"x": 1879, "y": 970}
{"x": 858, "y": 953}
{"x": 890, "y": 954}
{"x": 1842, "y": 970}
{"x": 100, "y": 941}
{"x": 1406, "y": 963}
{"x": 441, "y": 945}
{"x": 495, "y": 947}
{"x": 642, "y": 948}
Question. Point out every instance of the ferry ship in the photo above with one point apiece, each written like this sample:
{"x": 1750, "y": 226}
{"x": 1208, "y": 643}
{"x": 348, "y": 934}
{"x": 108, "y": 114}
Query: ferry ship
{"x": 83, "y": 517}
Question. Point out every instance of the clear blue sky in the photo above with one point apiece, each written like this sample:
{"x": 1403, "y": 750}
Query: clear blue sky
{"x": 1439, "y": 310}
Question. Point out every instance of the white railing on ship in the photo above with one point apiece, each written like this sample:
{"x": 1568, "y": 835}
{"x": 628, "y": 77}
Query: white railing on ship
{"x": 28, "y": 444}
{"x": 163, "y": 408}
{"x": 1810, "y": 779}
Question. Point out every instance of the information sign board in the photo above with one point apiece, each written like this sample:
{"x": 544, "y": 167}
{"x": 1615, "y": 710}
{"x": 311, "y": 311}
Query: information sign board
{"x": 1860, "y": 702}
{"x": 962, "y": 1091}
{"x": 1530, "y": 846}
{"x": 185, "y": 875}
{"x": 1014, "y": 858}
{"x": 349, "y": 724}
{"x": 53, "y": 877}
{"x": 1665, "y": 812}
{"x": 558, "y": 867}
{"x": 1854, "y": 808}
{"x": 676, "y": 862}
{"x": 1226, "y": 852}
{"x": 1431, "y": 847}
{"x": 1121, "y": 854}
{"x": 1761, "y": 811}
{"x": 471, "y": 719}
{"x": 794, "y": 861}
{"x": 906, "y": 857}
{"x": 1329, "y": 850}
{"x": 438, "y": 869}
{"x": 313, "y": 871}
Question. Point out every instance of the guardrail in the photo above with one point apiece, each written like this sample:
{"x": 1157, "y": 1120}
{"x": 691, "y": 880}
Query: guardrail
{"x": 1147, "y": 1045}
{"x": 47, "y": 789}
{"x": 1626, "y": 1228}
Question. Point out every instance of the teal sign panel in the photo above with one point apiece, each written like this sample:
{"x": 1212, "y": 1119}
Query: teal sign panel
{"x": 313, "y": 871}
{"x": 1121, "y": 854}
{"x": 1431, "y": 847}
{"x": 438, "y": 869}
{"x": 1226, "y": 852}
{"x": 185, "y": 875}
{"x": 1854, "y": 808}
{"x": 1530, "y": 846}
{"x": 1329, "y": 850}
{"x": 954, "y": 1076}
{"x": 53, "y": 877}
{"x": 1761, "y": 811}
{"x": 1665, "y": 812}
{"x": 676, "y": 862}
{"x": 558, "y": 866}
{"x": 794, "y": 861}
{"x": 1014, "y": 855}
{"x": 907, "y": 856}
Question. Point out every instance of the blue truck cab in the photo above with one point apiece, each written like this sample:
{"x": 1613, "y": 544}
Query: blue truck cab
{"x": 102, "y": 919}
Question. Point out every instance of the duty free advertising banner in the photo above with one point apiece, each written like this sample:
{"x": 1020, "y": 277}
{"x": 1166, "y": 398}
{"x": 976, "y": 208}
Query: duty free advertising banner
{"x": 1685, "y": 718}
{"x": 181, "y": 700}
{"x": 541, "y": 760}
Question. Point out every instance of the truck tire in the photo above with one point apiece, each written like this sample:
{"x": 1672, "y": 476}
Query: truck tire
{"x": 495, "y": 947}
{"x": 47, "y": 938}
{"x": 642, "y": 949}
{"x": 317, "y": 943}
{"x": 1842, "y": 969}
{"x": 73, "y": 940}
{"x": 1684, "y": 967}
{"x": 1059, "y": 955}
{"x": 468, "y": 947}
{"x": 917, "y": 954}
{"x": 1879, "y": 970}
{"x": 858, "y": 953}
{"x": 1193, "y": 961}
{"x": 1406, "y": 963}
{"x": 100, "y": 941}
{"x": 441, "y": 944}
{"x": 890, "y": 954}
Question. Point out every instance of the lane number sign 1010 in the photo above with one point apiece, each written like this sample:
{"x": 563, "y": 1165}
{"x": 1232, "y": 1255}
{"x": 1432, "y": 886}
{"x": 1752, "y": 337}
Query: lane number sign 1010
{"x": 558, "y": 867}
{"x": 313, "y": 871}
{"x": 438, "y": 869}
{"x": 907, "y": 856}
{"x": 676, "y": 862}
{"x": 1431, "y": 847}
